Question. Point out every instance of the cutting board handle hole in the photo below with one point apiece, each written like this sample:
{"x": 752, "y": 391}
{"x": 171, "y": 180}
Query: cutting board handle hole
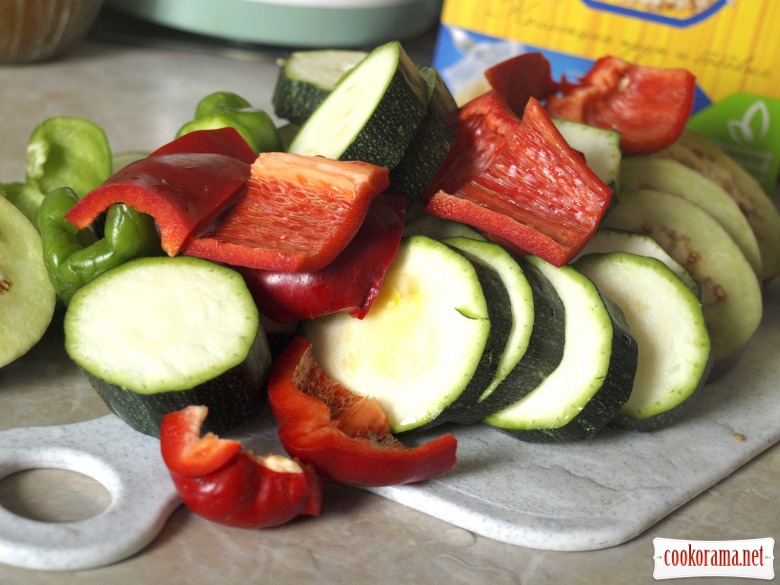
{"x": 53, "y": 495}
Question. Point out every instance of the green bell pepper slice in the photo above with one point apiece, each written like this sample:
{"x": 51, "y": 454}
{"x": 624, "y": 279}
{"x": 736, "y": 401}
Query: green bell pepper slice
{"x": 74, "y": 257}
{"x": 226, "y": 109}
{"x": 63, "y": 151}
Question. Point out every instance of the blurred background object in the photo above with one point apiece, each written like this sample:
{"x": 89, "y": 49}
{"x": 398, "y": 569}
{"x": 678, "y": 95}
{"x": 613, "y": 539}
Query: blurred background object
{"x": 34, "y": 30}
{"x": 292, "y": 23}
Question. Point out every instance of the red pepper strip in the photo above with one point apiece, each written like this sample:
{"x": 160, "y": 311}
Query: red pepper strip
{"x": 218, "y": 480}
{"x": 522, "y": 77}
{"x": 183, "y": 185}
{"x": 519, "y": 181}
{"x": 350, "y": 283}
{"x": 296, "y": 215}
{"x": 648, "y": 106}
{"x": 344, "y": 436}
{"x": 225, "y": 141}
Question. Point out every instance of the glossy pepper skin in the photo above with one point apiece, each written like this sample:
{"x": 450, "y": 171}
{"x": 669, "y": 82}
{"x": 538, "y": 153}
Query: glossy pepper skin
{"x": 518, "y": 181}
{"x": 344, "y": 436}
{"x": 350, "y": 283}
{"x": 73, "y": 257}
{"x": 63, "y": 151}
{"x": 183, "y": 185}
{"x": 226, "y": 109}
{"x": 220, "y": 481}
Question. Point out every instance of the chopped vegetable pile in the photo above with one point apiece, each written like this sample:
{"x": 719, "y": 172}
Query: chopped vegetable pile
{"x": 428, "y": 265}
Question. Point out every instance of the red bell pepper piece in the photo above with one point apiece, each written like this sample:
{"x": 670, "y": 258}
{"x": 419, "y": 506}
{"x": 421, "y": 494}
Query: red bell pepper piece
{"x": 225, "y": 141}
{"x": 297, "y": 213}
{"x": 350, "y": 283}
{"x": 518, "y": 181}
{"x": 218, "y": 480}
{"x": 522, "y": 77}
{"x": 181, "y": 190}
{"x": 344, "y": 436}
{"x": 648, "y": 106}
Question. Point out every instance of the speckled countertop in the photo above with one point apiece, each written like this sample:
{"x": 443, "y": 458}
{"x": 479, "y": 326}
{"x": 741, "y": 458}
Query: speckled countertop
{"x": 141, "y": 94}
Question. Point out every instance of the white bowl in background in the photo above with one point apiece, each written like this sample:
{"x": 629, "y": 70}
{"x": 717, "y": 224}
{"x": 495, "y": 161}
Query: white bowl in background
{"x": 291, "y": 23}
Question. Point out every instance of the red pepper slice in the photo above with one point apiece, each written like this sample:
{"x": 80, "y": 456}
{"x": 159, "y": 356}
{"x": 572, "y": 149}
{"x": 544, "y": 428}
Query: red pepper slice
{"x": 344, "y": 436}
{"x": 218, "y": 480}
{"x": 296, "y": 215}
{"x": 225, "y": 141}
{"x": 648, "y": 106}
{"x": 181, "y": 190}
{"x": 519, "y": 181}
{"x": 350, "y": 283}
{"x": 522, "y": 77}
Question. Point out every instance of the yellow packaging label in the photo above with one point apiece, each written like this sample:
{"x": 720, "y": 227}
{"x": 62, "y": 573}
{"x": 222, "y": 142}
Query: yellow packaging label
{"x": 731, "y": 46}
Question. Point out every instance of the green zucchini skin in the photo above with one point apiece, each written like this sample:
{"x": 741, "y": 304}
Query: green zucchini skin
{"x": 544, "y": 349}
{"x": 233, "y": 398}
{"x": 306, "y": 78}
{"x": 431, "y": 142}
{"x": 384, "y": 135}
{"x": 497, "y": 297}
{"x": 601, "y": 410}
{"x": 609, "y": 388}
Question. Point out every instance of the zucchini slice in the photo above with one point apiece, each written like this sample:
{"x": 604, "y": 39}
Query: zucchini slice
{"x": 671, "y": 334}
{"x": 159, "y": 333}
{"x": 535, "y": 345}
{"x": 594, "y": 379}
{"x": 670, "y": 176}
{"x": 730, "y": 290}
{"x": 307, "y": 77}
{"x": 439, "y": 228}
{"x": 599, "y": 146}
{"x": 429, "y": 345}
{"x": 371, "y": 115}
{"x": 432, "y": 141}
{"x": 614, "y": 240}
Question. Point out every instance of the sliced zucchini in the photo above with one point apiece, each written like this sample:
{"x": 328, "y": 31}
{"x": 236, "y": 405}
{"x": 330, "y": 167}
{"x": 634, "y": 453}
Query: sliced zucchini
{"x": 535, "y": 345}
{"x": 670, "y": 176}
{"x": 157, "y": 334}
{"x": 668, "y": 323}
{"x": 307, "y": 77}
{"x": 431, "y": 142}
{"x": 428, "y": 345}
{"x": 594, "y": 379}
{"x": 599, "y": 146}
{"x": 439, "y": 228}
{"x": 730, "y": 290}
{"x": 371, "y": 115}
{"x": 613, "y": 240}
{"x": 704, "y": 156}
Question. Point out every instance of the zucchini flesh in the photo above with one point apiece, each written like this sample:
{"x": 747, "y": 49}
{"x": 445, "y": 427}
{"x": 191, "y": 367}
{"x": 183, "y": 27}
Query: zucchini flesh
{"x": 427, "y": 344}
{"x": 371, "y": 115}
{"x": 730, "y": 290}
{"x": 600, "y": 146}
{"x": 158, "y": 333}
{"x": 614, "y": 240}
{"x": 668, "y": 324}
{"x": 307, "y": 77}
{"x": 535, "y": 344}
{"x": 594, "y": 379}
